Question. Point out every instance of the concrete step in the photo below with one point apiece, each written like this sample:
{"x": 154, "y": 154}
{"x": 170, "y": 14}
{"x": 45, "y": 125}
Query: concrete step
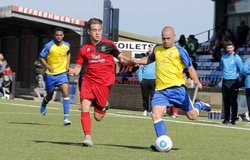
{"x": 29, "y": 94}
{"x": 26, "y": 97}
{"x": 24, "y": 93}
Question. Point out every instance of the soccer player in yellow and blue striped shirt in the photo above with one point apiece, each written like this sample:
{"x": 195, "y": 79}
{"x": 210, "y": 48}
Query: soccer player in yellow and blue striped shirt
{"x": 170, "y": 60}
{"x": 56, "y": 58}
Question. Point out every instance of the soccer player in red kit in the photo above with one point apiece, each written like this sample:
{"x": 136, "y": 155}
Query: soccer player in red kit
{"x": 98, "y": 54}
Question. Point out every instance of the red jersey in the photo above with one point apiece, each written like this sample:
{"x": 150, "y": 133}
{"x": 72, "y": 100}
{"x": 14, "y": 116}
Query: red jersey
{"x": 99, "y": 61}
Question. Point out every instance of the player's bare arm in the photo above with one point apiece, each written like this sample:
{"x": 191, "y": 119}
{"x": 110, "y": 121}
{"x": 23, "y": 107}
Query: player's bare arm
{"x": 75, "y": 71}
{"x": 194, "y": 76}
{"x": 141, "y": 61}
{"x": 124, "y": 60}
{"x": 68, "y": 61}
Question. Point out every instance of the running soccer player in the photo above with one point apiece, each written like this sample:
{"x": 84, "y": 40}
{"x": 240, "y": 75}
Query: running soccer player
{"x": 98, "y": 54}
{"x": 56, "y": 58}
{"x": 170, "y": 88}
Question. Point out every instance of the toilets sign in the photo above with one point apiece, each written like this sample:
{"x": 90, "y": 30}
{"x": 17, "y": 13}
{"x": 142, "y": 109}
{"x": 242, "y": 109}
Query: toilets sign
{"x": 133, "y": 46}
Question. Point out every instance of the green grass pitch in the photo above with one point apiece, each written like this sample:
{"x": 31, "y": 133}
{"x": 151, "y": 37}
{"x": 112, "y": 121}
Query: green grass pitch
{"x": 121, "y": 135}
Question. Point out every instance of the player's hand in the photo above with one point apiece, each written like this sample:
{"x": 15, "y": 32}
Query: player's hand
{"x": 51, "y": 69}
{"x": 68, "y": 68}
{"x": 135, "y": 61}
{"x": 198, "y": 84}
{"x": 71, "y": 72}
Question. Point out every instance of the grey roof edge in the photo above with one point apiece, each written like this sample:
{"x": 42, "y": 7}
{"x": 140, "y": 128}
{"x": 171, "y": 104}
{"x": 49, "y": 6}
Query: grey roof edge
{"x": 139, "y": 37}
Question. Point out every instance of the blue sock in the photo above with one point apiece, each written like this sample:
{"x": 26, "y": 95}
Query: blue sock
{"x": 198, "y": 107}
{"x": 44, "y": 102}
{"x": 66, "y": 103}
{"x": 160, "y": 128}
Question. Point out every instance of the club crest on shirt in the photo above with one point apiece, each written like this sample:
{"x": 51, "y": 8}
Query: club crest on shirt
{"x": 170, "y": 55}
{"x": 103, "y": 48}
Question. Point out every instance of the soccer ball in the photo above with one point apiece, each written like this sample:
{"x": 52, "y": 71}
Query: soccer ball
{"x": 163, "y": 143}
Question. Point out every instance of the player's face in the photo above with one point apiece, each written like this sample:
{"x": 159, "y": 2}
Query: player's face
{"x": 167, "y": 38}
{"x": 59, "y": 36}
{"x": 95, "y": 32}
{"x": 6, "y": 78}
{"x": 230, "y": 49}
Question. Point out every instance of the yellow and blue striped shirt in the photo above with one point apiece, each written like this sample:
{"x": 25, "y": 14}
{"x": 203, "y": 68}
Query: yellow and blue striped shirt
{"x": 170, "y": 64}
{"x": 56, "y": 56}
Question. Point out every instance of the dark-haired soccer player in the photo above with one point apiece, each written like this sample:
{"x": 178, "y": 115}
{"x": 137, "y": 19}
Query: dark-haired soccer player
{"x": 56, "y": 58}
{"x": 231, "y": 66}
{"x": 98, "y": 54}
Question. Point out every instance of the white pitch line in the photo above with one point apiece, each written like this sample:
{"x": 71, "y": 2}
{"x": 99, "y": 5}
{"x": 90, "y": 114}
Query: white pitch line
{"x": 183, "y": 122}
{"x": 32, "y": 106}
{"x": 134, "y": 116}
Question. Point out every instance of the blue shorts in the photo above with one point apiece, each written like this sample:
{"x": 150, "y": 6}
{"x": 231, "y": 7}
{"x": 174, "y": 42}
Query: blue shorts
{"x": 174, "y": 96}
{"x": 52, "y": 81}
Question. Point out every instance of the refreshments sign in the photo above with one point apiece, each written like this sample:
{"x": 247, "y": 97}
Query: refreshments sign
{"x": 47, "y": 15}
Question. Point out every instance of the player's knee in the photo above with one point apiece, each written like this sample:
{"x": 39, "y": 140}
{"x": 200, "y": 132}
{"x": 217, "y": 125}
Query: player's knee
{"x": 65, "y": 95}
{"x": 156, "y": 116}
{"x": 48, "y": 98}
{"x": 98, "y": 117}
{"x": 192, "y": 116}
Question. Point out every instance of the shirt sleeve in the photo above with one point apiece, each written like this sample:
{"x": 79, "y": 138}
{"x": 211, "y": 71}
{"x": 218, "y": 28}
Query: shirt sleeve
{"x": 45, "y": 50}
{"x": 239, "y": 64}
{"x": 80, "y": 57}
{"x": 152, "y": 57}
{"x": 246, "y": 67}
{"x": 68, "y": 44}
{"x": 185, "y": 57}
{"x": 140, "y": 74}
{"x": 115, "y": 50}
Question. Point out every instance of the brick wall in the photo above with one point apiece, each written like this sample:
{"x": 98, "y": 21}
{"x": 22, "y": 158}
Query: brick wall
{"x": 123, "y": 96}
{"x": 126, "y": 97}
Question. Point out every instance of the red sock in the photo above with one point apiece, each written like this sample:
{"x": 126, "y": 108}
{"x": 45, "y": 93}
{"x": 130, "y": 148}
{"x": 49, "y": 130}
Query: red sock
{"x": 176, "y": 110}
{"x": 86, "y": 123}
{"x": 171, "y": 110}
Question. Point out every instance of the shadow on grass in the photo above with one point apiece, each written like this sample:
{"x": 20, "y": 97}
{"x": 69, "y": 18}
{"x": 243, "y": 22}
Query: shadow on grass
{"x": 112, "y": 145}
{"x": 133, "y": 147}
{"x": 60, "y": 143}
{"x": 30, "y": 123}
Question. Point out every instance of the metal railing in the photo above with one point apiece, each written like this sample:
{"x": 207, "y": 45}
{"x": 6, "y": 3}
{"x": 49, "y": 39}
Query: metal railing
{"x": 208, "y": 32}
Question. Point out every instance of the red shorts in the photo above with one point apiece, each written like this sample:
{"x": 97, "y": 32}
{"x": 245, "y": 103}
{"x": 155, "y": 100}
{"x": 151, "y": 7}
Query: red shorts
{"x": 97, "y": 94}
